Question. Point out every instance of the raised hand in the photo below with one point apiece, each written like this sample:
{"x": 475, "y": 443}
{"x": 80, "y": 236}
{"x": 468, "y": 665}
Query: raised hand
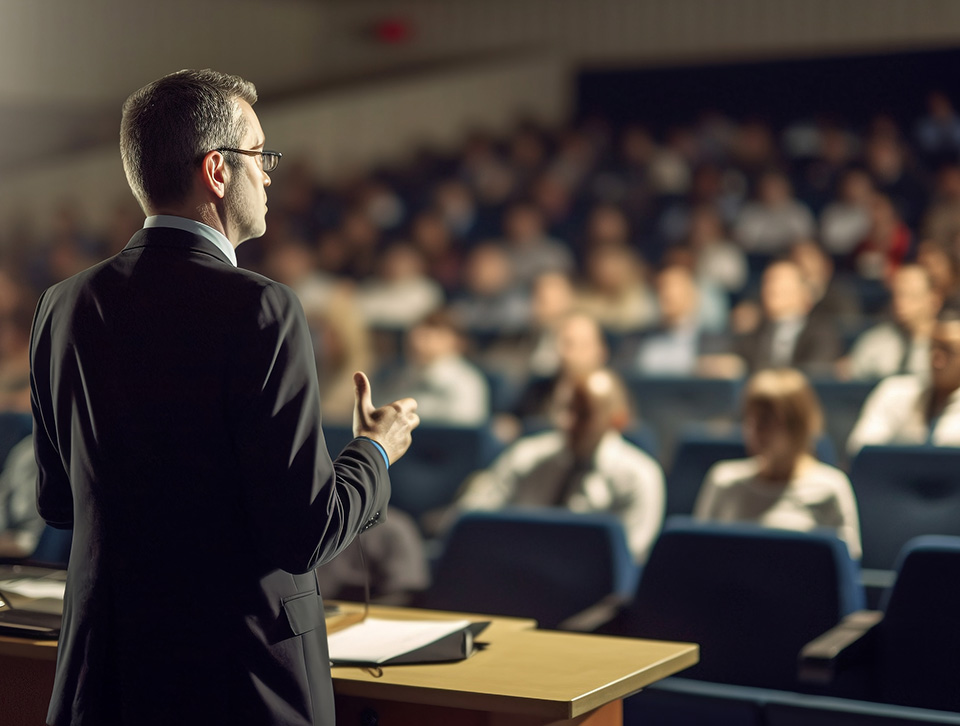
{"x": 390, "y": 425}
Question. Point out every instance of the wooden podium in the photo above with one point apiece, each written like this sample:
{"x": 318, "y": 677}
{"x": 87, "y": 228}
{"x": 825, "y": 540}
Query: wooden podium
{"x": 524, "y": 677}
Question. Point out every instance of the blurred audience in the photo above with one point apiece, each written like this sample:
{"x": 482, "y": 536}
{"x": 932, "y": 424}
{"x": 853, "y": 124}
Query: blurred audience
{"x": 448, "y": 388}
{"x": 788, "y": 336}
{"x": 615, "y": 291}
{"x": 530, "y": 249}
{"x": 390, "y": 558}
{"x": 583, "y": 464}
{"x": 490, "y": 302}
{"x": 16, "y": 316}
{"x": 673, "y": 348}
{"x": 20, "y": 524}
{"x": 401, "y": 292}
{"x": 342, "y": 345}
{"x": 914, "y": 409}
{"x": 901, "y": 344}
{"x": 775, "y": 219}
{"x": 835, "y": 299}
{"x": 845, "y": 222}
{"x": 781, "y": 485}
{"x": 581, "y": 348}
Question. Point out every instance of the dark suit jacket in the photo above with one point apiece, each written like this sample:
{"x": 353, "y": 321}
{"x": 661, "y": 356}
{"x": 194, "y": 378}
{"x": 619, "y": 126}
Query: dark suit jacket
{"x": 178, "y": 432}
{"x": 817, "y": 348}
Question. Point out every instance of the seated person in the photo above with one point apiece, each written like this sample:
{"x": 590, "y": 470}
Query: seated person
{"x": 788, "y": 336}
{"x": 781, "y": 485}
{"x": 390, "y": 557}
{"x": 674, "y": 346}
{"x": 902, "y": 344}
{"x": 912, "y": 409}
{"x": 584, "y": 464}
{"x": 20, "y": 524}
{"x": 448, "y": 388}
{"x": 581, "y": 348}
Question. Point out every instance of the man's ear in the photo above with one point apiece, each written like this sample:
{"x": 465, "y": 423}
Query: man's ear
{"x": 213, "y": 174}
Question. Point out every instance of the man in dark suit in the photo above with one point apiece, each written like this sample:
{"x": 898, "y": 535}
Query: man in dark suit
{"x": 178, "y": 433}
{"x": 788, "y": 335}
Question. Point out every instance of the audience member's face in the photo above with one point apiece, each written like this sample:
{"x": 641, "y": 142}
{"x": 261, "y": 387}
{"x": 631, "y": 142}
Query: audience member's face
{"x": 856, "y": 188}
{"x": 488, "y": 271}
{"x": 401, "y": 262}
{"x": 432, "y": 342}
{"x": 552, "y": 298}
{"x": 676, "y": 295}
{"x": 936, "y": 261}
{"x": 611, "y": 269}
{"x": 774, "y": 189}
{"x": 783, "y": 292}
{"x": 523, "y": 224}
{"x": 581, "y": 346}
{"x": 591, "y": 409}
{"x": 945, "y": 356}
{"x": 813, "y": 263}
{"x": 608, "y": 224}
{"x": 913, "y": 300}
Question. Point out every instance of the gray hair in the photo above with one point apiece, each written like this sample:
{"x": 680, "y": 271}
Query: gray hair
{"x": 168, "y": 126}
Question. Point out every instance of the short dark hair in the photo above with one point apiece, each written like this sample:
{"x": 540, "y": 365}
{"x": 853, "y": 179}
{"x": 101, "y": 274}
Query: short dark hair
{"x": 169, "y": 124}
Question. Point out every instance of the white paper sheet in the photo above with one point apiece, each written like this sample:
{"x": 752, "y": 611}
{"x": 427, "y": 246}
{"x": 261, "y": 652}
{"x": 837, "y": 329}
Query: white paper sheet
{"x": 33, "y": 588}
{"x": 376, "y": 640}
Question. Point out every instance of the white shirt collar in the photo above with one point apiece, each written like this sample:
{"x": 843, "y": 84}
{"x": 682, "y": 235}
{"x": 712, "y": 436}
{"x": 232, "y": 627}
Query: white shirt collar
{"x": 192, "y": 225}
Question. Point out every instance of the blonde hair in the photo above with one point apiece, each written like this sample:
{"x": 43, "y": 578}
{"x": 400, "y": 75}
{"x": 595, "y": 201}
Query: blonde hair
{"x": 788, "y": 396}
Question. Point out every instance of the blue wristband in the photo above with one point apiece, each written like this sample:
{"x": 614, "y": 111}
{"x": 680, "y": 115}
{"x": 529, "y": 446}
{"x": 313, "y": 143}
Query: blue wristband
{"x": 383, "y": 452}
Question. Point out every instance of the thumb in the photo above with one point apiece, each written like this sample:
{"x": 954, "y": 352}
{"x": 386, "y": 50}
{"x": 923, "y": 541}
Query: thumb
{"x": 362, "y": 392}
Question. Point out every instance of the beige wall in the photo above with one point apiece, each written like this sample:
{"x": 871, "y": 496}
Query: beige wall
{"x": 336, "y": 132}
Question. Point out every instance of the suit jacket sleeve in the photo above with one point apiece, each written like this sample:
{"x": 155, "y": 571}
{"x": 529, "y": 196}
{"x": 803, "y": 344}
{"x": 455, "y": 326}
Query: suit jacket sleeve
{"x": 304, "y": 508}
{"x": 54, "y": 495}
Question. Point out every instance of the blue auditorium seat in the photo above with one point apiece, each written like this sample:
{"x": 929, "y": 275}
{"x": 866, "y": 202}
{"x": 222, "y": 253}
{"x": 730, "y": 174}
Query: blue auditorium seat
{"x": 439, "y": 460}
{"x": 904, "y": 492}
{"x": 841, "y": 402}
{"x": 907, "y": 653}
{"x": 53, "y": 548}
{"x": 544, "y": 563}
{"x": 668, "y": 404}
{"x": 750, "y": 596}
{"x": 14, "y": 427}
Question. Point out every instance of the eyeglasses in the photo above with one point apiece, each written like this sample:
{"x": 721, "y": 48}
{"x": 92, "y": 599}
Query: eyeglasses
{"x": 268, "y": 159}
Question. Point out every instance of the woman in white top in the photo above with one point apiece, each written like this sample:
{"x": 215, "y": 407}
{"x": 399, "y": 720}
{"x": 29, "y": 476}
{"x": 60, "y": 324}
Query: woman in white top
{"x": 782, "y": 484}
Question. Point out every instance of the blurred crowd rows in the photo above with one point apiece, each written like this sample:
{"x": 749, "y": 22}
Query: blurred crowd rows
{"x": 714, "y": 249}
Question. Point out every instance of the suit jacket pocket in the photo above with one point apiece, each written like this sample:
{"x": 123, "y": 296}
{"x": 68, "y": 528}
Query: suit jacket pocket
{"x": 304, "y": 612}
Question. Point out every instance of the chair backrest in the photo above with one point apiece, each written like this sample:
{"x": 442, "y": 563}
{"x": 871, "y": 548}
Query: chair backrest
{"x": 14, "y": 428}
{"x": 903, "y": 492}
{"x": 668, "y": 404}
{"x": 430, "y": 473}
{"x": 841, "y": 402}
{"x": 750, "y": 596}
{"x": 53, "y": 548}
{"x": 547, "y": 564}
{"x": 918, "y": 639}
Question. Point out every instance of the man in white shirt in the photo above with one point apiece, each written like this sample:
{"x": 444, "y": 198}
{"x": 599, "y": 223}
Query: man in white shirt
{"x": 585, "y": 464}
{"x": 900, "y": 345}
{"x": 906, "y": 409}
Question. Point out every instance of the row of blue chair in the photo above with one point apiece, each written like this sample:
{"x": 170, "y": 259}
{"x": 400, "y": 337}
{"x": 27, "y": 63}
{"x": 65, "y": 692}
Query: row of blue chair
{"x": 752, "y": 598}
{"x": 892, "y": 667}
